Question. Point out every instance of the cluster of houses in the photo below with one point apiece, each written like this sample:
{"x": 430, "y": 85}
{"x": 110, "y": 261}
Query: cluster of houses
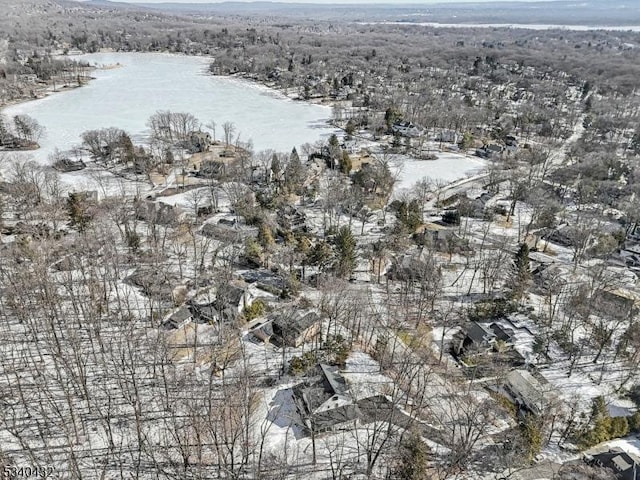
{"x": 507, "y": 146}
{"x": 522, "y": 384}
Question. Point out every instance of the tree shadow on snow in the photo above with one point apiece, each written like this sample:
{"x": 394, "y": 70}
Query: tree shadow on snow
{"x": 283, "y": 412}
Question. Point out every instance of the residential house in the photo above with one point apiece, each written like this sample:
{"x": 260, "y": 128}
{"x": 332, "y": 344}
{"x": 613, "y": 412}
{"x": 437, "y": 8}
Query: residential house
{"x": 412, "y": 266}
{"x": 208, "y": 312}
{"x": 406, "y": 129}
{"x": 527, "y": 391}
{"x": 177, "y": 319}
{"x": 482, "y": 337}
{"x": 439, "y": 236}
{"x": 560, "y": 236}
{"x": 295, "y": 330}
{"x": 323, "y": 400}
{"x": 263, "y": 331}
{"x": 629, "y": 254}
{"x": 223, "y": 302}
{"x": 154, "y": 283}
{"x": 266, "y": 280}
{"x": 490, "y": 151}
{"x": 617, "y": 302}
{"x": 292, "y": 219}
{"x": 157, "y": 213}
{"x": 511, "y": 141}
{"x": 626, "y": 466}
{"x": 234, "y": 296}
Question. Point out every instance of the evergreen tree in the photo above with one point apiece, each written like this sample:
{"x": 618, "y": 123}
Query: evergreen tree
{"x": 391, "y": 116}
{"x": 126, "y": 149}
{"x": 521, "y": 272}
{"x": 294, "y": 173}
{"x": 413, "y": 459}
{"x": 78, "y": 211}
{"x": 276, "y": 167}
{"x": 345, "y": 246}
{"x": 345, "y": 164}
{"x": 409, "y": 213}
{"x": 319, "y": 255}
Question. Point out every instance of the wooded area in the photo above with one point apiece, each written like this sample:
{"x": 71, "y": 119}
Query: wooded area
{"x": 211, "y": 311}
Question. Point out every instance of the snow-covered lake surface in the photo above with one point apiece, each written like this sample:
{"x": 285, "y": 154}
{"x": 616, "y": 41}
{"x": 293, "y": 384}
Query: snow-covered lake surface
{"x": 528, "y": 26}
{"x": 125, "y": 97}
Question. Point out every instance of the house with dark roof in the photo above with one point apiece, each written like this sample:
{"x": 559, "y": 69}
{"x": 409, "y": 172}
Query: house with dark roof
{"x": 482, "y": 337}
{"x": 209, "y": 312}
{"x": 263, "y": 331}
{"x": 156, "y": 212}
{"x": 265, "y": 280}
{"x": 625, "y": 466}
{"x": 489, "y": 151}
{"x": 234, "y": 295}
{"x": 295, "y": 330}
{"x": 617, "y": 302}
{"x": 323, "y": 400}
{"x": 68, "y": 165}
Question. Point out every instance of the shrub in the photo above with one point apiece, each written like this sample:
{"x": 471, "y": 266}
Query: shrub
{"x": 531, "y": 431}
{"x": 254, "y": 310}
{"x": 300, "y": 365}
{"x": 491, "y": 309}
{"x": 338, "y": 348}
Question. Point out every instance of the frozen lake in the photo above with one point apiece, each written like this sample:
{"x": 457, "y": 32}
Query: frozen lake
{"x": 526, "y": 26}
{"x": 125, "y": 97}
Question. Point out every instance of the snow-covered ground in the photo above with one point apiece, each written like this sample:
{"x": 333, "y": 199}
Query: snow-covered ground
{"x": 448, "y": 167}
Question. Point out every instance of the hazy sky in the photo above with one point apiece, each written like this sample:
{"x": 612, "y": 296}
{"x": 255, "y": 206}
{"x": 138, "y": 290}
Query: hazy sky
{"x": 412, "y": 2}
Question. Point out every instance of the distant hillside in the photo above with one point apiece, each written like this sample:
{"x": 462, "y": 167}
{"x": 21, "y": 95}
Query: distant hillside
{"x": 590, "y": 12}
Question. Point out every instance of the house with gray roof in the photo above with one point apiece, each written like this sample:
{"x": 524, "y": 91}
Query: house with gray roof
{"x": 527, "y": 391}
{"x": 323, "y": 400}
{"x": 177, "y": 319}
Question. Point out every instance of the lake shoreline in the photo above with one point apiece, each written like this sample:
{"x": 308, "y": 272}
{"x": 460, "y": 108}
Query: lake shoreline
{"x": 281, "y": 92}
{"x": 130, "y": 87}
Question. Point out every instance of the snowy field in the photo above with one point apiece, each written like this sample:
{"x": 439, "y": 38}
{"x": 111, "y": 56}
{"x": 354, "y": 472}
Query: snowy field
{"x": 448, "y": 168}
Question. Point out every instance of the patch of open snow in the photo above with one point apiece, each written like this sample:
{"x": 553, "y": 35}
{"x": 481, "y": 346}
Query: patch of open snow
{"x": 448, "y": 167}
